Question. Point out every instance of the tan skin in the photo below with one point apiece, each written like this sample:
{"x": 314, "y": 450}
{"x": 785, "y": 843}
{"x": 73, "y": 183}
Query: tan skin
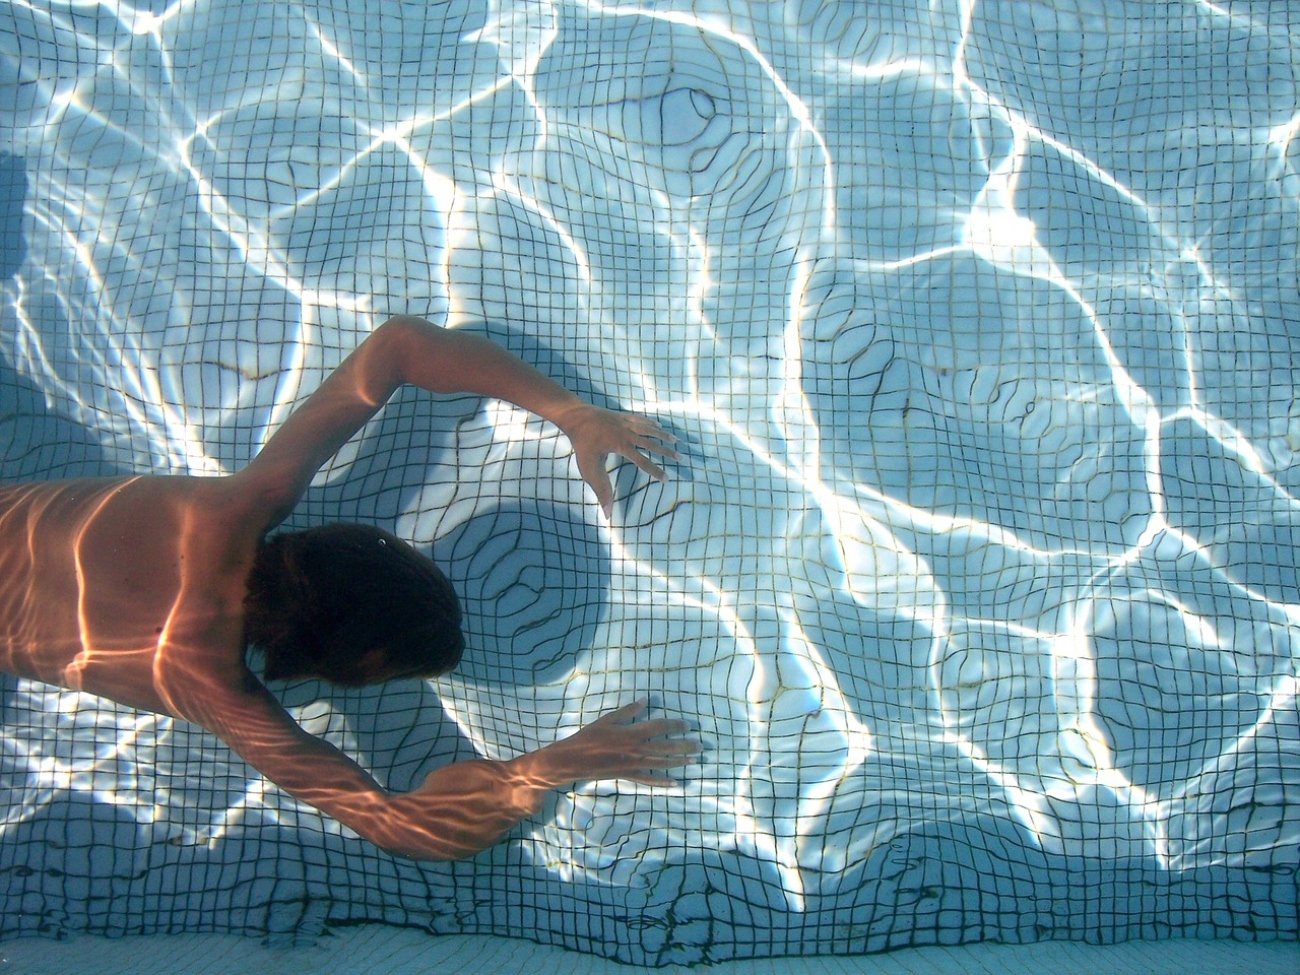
{"x": 132, "y": 589}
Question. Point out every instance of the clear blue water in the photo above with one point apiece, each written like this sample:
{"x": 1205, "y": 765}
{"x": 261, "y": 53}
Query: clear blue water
{"x": 977, "y": 322}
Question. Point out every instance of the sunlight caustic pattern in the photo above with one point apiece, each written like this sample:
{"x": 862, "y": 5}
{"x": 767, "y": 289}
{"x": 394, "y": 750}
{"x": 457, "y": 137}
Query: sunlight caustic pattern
{"x": 978, "y": 325}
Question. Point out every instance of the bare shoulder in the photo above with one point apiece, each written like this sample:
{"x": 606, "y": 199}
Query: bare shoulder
{"x": 234, "y": 705}
{"x": 215, "y": 522}
{"x": 218, "y": 509}
{"x": 126, "y": 513}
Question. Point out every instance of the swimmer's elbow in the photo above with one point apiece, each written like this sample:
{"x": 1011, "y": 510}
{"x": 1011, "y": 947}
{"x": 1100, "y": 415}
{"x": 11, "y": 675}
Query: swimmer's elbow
{"x": 398, "y": 825}
{"x": 416, "y": 352}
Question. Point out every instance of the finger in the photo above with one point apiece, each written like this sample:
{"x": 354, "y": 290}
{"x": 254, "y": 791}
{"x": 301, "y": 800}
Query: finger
{"x": 647, "y": 778}
{"x": 600, "y": 485}
{"x": 624, "y": 715}
{"x": 661, "y": 727}
{"x": 648, "y": 428}
{"x": 662, "y": 450}
{"x": 677, "y": 747}
{"x": 664, "y": 761}
{"x": 645, "y": 463}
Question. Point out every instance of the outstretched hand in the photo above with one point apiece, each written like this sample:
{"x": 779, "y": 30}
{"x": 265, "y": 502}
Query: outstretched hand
{"x": 595, "y": 433}
{"x": 617, "y": 746}
{"x": 465, "y": 807}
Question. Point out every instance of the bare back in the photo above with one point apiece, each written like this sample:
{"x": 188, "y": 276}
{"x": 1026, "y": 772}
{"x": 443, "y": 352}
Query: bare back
{"x": 129, "y": 588}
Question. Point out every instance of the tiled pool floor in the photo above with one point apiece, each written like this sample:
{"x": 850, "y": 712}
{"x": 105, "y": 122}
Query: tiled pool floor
{"x": 399, "y": 952}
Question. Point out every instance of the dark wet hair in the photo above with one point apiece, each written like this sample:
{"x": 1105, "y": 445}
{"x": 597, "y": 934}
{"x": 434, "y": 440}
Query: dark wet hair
{"x": 350, "y": 604}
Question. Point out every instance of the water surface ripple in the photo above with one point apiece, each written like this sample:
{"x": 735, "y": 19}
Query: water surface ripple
{"x": 978, "y": 323}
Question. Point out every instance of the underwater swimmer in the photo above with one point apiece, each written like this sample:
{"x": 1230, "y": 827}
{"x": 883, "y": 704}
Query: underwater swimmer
{"x": 149, "y": 590}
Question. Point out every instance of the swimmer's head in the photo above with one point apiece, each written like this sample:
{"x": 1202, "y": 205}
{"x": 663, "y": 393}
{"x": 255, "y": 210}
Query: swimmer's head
{"x": 350, "y": 604}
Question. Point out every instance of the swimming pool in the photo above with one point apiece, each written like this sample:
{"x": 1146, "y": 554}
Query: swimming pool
{"x": 978, "y": 327}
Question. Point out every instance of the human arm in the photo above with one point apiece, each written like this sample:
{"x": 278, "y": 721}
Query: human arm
{"x": 411, "y": 350}
{"x": 458, "y": 809}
